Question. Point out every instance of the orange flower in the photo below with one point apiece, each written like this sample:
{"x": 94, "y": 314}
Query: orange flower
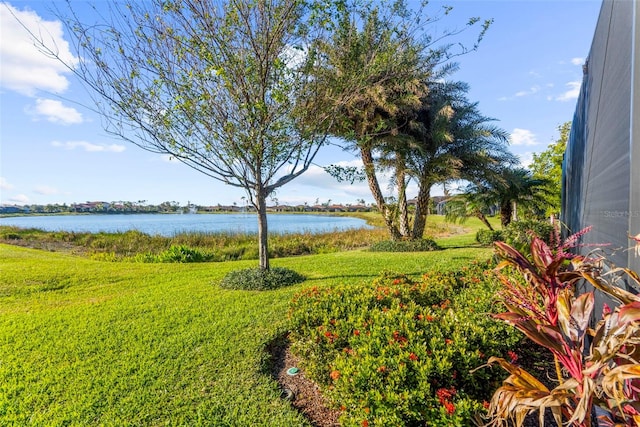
{"x": 334, "y": 375}
{"x": 485, "y": 405}
{"x": 448, "y": 341}
{"x": 382, "y": 369}
{"x": 356, "y": 332}
{"x": 413, "y": 357}
{"x": 365, "y": 423}
{"x": 450, "y": 407}
{"x": 399, "y": 338}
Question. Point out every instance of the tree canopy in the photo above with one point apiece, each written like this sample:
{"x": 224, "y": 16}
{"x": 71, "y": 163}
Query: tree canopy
{"x": 509, "y": 189}
{"x": 384, "y": 60}
{"x": 221, "y": 86}
{"x": 548, "y": 165}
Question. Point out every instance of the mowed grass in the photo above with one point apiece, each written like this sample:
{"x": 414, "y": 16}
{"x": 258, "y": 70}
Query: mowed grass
{"x": 85, "y": 342}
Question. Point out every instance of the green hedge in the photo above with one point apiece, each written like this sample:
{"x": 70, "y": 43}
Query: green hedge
{"x": 256, "y": 279}
{"x": 487, "y": 237}
{"x": 420, "y": 245}
{"x": 398, "y": 351}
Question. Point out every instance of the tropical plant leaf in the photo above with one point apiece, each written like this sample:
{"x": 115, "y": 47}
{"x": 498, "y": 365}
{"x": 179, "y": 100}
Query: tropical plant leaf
{"x": 541, "y": 254}
{"x": 581, "y": 309}
{"x": 630, "y": 313}
{"x": 521, "y": 393}
{"x": 614, "y": 291}
{"x": 519, "y": 377}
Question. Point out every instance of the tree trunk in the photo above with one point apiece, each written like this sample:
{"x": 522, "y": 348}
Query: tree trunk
{"x": 422, "y": 209}
{"x": 263, "y": 236}
{"x": 506, "y": 210}
{"x": 374, "y": 186}
{"x": 402, "y": 199}
{"x": 484, "y": 220}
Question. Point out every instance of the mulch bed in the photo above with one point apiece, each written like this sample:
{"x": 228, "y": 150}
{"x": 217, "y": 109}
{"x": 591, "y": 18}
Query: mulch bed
{"x": 303, "y": 393}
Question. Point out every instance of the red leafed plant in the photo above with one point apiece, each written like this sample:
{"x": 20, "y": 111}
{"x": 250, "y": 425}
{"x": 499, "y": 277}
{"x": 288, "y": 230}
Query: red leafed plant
{"x": 597, "y": 366}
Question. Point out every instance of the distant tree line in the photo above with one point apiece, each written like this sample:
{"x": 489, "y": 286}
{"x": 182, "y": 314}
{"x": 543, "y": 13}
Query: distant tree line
{"x": 125, "y": 207}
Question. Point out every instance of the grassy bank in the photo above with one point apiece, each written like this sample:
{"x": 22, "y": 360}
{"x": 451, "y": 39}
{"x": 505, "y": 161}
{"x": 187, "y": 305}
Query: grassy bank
{"x": 221, "y": 246}
{"x": 84, "y": 342}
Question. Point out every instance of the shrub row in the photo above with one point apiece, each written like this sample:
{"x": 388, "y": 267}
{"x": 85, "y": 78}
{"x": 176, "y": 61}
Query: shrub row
{"x": 517, "y": 234}
{"x": 256, "y": 279}
{"x": 399, "y": 351}
{"x": 420, "y": 245}
{"x": 181, "y": 253}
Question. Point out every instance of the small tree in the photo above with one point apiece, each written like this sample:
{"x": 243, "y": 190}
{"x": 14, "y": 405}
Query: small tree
{"x": 222, "y": 86}
{"x": 504, "y": 188}
{"x": 548, "y": 165}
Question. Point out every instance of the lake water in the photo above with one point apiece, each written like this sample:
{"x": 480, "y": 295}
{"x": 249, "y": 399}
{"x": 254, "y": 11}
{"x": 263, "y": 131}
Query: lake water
{"x": 171, "y": 224}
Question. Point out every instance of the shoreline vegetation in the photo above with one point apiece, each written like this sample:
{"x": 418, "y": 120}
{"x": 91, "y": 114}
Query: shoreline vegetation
{"x": 216, "y": 246}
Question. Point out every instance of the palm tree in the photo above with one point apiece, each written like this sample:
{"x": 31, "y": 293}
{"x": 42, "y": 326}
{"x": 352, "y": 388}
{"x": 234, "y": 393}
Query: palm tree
{"x": 377, "y": 70}
{"x": 468, "y": 204}
{"x": 519, "y": 187}
{"x": 448, "y": 139}
{"x": 506, "y": 188}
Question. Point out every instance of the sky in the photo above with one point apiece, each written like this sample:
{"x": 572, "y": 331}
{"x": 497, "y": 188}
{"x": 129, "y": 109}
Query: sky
{"x": 526, "y": 74}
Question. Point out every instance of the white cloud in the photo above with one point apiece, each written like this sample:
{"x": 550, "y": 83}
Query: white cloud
{"x": 317, "y": 184}
{"x": 531, "y": 91}
{"x": 87, "y": 146}
{"x": 523, "y": 137}
{"x": 45, "y": 190}
{"x": 4, "y": 184}
{"x": 56, "y": 112}
{"x": 577, "y": 61}
{"x": 20, "y": 198}
{"x": 572, "y": 93}
{"x": 526, "y": 159}
{"x": 23, "y": 68}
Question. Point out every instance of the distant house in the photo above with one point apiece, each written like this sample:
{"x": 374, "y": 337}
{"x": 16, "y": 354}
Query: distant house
{"x": 91, "y": 207}
{"x": 14, "y": 209}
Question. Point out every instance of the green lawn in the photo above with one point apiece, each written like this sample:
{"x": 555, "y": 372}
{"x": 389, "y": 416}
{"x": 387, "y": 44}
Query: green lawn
{"x": 85, "y": 342}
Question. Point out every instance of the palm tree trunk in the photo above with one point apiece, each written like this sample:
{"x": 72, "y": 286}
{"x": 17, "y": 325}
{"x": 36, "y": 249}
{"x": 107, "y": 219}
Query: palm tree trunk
{"x": 484, "y": 220}
{"x": 422, "y": 209}
{"x": 506, "y": 210}
{"x": 374, "y": 187}
{"x": 401, "y": 182}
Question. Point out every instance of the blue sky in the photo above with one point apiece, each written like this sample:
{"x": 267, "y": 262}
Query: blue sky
{"x": 526, "y": 74}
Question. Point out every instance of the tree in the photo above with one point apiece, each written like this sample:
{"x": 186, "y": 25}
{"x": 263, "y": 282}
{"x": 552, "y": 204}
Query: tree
{"x": 468, "y": 204}
{"x": 507, "y": 188}
{"x": 448, "y": 140}
{"x": 222, "y": 86}
{"x": 378, "y": 64}
{"x": 548, "y": 165}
